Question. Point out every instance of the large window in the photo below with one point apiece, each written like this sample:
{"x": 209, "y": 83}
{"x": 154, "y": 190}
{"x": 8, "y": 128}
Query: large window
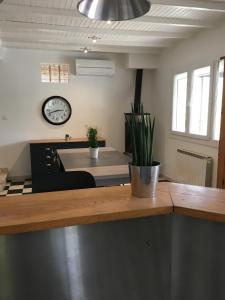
{"x": 199, "y": 105}
{"x": 197, "y": 102}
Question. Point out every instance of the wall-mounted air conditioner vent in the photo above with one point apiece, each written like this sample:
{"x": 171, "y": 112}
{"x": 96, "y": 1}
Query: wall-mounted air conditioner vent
{"x": 91, "y": 67}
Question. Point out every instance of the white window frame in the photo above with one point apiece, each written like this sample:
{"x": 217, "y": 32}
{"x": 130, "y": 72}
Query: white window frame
{"x": 175, "y": 89}
{"x": 216, "y": 77}
{"x": 212, "y": 91}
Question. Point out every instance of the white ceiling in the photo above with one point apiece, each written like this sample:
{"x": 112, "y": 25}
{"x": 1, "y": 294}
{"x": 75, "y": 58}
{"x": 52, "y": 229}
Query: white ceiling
{"x": 56, "y": 24}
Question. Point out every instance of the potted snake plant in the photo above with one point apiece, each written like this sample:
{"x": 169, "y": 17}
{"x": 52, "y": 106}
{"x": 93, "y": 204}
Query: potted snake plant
{"x": 144, "y": 171}
{"x": 92, "y": 134}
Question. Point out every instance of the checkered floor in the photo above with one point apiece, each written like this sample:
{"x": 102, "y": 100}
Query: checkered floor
{"x": 25, "y": 187}
{"x": 17, "y": 188}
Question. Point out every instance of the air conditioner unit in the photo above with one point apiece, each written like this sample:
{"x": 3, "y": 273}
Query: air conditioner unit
{"x": 93, "y": 67}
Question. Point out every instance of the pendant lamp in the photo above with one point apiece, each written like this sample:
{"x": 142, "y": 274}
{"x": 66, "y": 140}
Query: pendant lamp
{"x": 113, "y": 10}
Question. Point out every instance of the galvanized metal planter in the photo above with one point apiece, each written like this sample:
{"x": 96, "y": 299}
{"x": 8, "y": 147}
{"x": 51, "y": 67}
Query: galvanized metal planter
{"x": 144, "y": 180}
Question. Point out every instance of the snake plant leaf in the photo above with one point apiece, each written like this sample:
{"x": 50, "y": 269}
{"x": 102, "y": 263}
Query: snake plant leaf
{"x": 142, "y": 130}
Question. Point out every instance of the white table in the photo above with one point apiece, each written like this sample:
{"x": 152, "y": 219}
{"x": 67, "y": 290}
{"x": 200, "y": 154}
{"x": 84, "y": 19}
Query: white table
{"x": 111, "y": 167}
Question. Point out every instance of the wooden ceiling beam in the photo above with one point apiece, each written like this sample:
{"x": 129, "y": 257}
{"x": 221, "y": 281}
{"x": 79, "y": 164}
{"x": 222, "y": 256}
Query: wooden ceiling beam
{"x": 214, "y": 6}
{"x": 12, "y": 25}
{"x": 55, "y": 38}
{"x": 24, "y": 10}
{"x": 73, "y": 47}
{"x": 179, "y": 22}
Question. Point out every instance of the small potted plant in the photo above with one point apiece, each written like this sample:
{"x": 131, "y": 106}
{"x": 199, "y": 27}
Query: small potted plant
{"x": 67, "y": 137}
{"x": 92, "y": 134}
{"x": 144, "y": 172}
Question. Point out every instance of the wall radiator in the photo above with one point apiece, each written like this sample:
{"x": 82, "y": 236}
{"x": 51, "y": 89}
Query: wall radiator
{"x": 193, "y": 168}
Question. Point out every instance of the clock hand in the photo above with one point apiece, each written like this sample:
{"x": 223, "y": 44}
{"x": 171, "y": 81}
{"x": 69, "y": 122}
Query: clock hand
{"x": 51, "y": 112}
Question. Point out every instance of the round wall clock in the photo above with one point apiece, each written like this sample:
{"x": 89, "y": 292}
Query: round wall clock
{"x": 56, "y": 110}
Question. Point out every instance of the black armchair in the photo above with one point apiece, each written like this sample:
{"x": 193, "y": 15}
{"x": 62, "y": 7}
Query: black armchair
{"x": 62, "y": 181}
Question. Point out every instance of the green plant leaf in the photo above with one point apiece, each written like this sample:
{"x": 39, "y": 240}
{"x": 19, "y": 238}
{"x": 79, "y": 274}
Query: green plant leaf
{"x": 141, "y": 129}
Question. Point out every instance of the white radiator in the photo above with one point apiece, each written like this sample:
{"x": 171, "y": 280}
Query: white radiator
{"x": 193, "y": 168}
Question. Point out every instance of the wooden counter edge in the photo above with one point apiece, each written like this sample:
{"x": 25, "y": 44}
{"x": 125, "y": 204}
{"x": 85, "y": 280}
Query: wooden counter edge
{"x": 82, "y": 220}
{"x": 199, "y": 214}
{"x": 198, "y": 202}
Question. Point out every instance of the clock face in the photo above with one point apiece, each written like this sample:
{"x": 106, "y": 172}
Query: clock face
{"x": 56, "y": 110}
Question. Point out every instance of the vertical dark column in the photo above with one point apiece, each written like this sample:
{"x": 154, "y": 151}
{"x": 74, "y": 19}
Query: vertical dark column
{"x": 137, "y": 107}
{"x": 138, "y": 88}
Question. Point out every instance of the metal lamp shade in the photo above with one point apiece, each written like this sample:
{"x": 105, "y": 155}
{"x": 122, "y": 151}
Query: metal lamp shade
{"x": 113, "y": 10}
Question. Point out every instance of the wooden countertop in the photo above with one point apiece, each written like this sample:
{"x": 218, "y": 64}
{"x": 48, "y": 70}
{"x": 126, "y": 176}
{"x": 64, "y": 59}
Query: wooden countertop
{"x": 61, "y": 209}
{"x": 62, "y": 140}
{"x": 196, "y": 201}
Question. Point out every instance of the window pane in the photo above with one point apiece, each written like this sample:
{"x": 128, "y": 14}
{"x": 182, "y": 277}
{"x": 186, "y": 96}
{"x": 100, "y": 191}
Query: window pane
{"x": 179, "y": 102}
{"x": 218, "y": 102}
{"x": 45, "y": 73}
{"x": 200, "y": 101}
{"x": 54, "y": 69}
{"x": 64, "y": 73}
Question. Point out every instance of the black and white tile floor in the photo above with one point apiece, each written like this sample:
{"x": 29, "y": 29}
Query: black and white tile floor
{"x": 25, "y": 187}
{"x": 17, "y": 188}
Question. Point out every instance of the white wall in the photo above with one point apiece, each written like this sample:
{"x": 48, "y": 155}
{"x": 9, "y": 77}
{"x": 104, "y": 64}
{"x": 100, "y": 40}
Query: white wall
{"x": 142, "y": 61}
{"x": 201, "y": 50}
{"x": 97, "y": 101}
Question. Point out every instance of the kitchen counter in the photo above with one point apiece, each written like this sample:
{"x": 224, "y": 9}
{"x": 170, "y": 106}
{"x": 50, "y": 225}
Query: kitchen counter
{"x": 102, "y": 243}
{"x": 60, "y": 209}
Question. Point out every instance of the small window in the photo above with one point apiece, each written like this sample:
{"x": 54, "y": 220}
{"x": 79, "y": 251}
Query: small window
{"x": 64, "y": 73}
{"x": 55, "y": 73}
{"x": 45, "y": 73}
{"x": 179, "y": 102}
{"x": 199, "y": 106}
{"x": 54, "y": 69}
{"x": 218, "y": 101}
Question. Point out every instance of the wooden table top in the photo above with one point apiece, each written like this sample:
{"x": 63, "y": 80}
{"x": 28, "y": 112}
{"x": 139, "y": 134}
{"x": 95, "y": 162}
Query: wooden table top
{"x": 68, "y": 208}
{"x": 109, "y": 163}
